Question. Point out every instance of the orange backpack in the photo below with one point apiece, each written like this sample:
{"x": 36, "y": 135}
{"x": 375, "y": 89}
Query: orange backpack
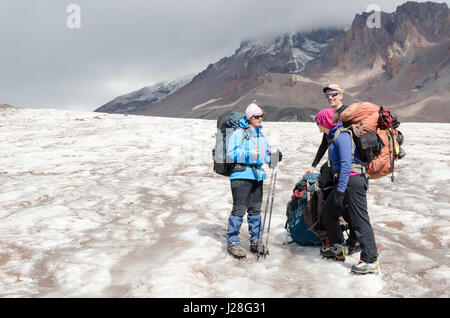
{"x": 375, "y": 134}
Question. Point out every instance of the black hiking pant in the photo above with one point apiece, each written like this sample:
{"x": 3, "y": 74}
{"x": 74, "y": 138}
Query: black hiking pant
{"x": 357, "y": 215}
{"x": 352, "y": 239}
{"x": 247, "y": 196}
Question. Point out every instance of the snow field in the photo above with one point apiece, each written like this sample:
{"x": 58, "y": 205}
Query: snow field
{"x": 99, "y": 205}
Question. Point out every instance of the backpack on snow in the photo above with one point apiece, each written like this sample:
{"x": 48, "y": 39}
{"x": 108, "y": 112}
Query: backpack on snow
{"x": 304, "y": 210}
{"x": 375, "y": 134}
{"x": 226, "y": 125}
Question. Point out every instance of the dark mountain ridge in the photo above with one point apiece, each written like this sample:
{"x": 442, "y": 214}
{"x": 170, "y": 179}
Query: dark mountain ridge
{"x": 402, "y": 65}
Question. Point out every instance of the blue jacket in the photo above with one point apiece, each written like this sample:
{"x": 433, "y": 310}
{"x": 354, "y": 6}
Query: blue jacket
{"x": 239, "y": 150}
{"x": 340, "y": 154}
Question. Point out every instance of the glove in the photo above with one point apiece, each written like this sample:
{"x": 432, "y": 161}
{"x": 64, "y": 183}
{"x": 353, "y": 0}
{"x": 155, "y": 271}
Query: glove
{"x": 272, "y": 165}
{"x": 275, "y": 157}
{"x": 339, "y": 199}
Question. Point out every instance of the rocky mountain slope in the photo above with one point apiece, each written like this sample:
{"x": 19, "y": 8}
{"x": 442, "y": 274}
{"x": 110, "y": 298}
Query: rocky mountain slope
{"x": 403, "y": 65}
{"x": 262, "y": 70}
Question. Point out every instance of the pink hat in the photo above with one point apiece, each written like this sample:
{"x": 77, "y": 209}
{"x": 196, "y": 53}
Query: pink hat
{"x": 252, "y": 110}
{"x": 325, "y": 118}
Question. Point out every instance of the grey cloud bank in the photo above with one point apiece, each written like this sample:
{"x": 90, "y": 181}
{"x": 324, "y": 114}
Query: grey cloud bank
{"x": 125, "y": 45}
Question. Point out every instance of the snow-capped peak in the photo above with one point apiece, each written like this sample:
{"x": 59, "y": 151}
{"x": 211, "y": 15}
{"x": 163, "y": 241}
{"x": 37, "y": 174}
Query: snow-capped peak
{"x": 145, "y": 96}
{"x": 301, "y": 47}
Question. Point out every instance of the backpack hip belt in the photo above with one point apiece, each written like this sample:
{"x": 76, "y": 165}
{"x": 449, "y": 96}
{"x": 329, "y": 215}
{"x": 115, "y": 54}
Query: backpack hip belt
{"x": 358, "y": 168}
{"x": 355, "y": 168}
{"x": 242, "y": 167}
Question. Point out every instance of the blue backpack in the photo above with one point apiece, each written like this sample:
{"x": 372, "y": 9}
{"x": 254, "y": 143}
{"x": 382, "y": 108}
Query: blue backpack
{"x": 303, "y": 213}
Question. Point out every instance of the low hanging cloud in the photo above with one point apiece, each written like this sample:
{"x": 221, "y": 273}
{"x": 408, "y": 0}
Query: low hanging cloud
{"x": 124, "y": 45}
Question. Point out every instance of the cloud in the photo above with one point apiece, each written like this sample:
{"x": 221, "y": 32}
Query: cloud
{"x": 125, "y": 45}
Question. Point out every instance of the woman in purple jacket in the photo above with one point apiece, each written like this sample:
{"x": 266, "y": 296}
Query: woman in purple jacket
{"x": 350, "y": 190}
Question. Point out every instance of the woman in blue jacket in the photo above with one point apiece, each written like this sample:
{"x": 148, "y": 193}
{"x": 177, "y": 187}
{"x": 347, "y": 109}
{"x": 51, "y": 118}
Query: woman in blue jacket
{"x": 351, "y": 189}
{"x": 249, "y": 149}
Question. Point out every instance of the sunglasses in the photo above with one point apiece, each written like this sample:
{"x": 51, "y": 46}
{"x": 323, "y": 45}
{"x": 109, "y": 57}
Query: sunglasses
{"x": 331, "y": 95}
{"x": 258, "y": 116}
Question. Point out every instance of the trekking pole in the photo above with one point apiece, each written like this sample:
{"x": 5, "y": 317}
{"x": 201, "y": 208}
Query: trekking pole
{"x": 274, "y": 162}
{"x": 267, "y": 203}
{"x": 261, "y": 233}
{"x": 270, "y": 213}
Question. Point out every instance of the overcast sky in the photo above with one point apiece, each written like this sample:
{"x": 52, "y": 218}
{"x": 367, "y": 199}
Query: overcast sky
{"x": 123, "y": 45}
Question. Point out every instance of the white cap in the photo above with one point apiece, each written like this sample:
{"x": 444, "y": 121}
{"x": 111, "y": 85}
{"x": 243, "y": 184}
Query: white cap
{"x": 252, "y": 110}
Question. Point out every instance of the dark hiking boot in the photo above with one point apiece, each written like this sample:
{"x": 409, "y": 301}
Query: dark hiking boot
{"x": 236, "y": 250}
{"x": 258, "y": 248}
{"x": 336, "y": 252}
{"x": 353, "y": 247}
{"x": 366, "y": 268}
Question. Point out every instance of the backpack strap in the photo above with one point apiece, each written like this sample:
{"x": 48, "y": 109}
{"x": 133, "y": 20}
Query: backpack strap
{"x": 391, "y": 151}
{"x": 307, "y": 215}
{"x": 356, "y": 167}
{"x": 246, "y": 136}
{"x": 318, "y": 210}
{"x": 255, "y": 172}
{"x": 242, "y": 167}
{"x": 308, "y": 194}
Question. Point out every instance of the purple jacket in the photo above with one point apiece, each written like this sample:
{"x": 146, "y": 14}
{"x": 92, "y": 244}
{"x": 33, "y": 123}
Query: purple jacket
{"x": 341, "y": 155}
